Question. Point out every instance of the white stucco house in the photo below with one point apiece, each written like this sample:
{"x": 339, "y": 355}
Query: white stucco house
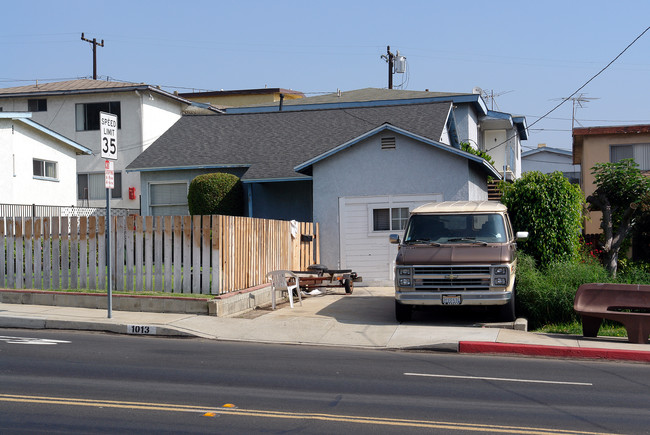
{"x": 38, "y": 165}
{"x": 357, "y": 171}
{"x": 71, "y": 109}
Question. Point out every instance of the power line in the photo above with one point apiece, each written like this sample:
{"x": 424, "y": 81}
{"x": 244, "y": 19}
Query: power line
{"x": 580, "y": 88}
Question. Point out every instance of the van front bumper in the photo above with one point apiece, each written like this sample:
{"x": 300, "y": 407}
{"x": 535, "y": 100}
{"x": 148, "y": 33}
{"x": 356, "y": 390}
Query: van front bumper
{"x": 420, "y": 297}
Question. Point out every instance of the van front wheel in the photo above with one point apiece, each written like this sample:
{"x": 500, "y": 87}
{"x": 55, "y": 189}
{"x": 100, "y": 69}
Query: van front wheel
{"x": 507, "y": 311}
{"x": 402, "y": 312}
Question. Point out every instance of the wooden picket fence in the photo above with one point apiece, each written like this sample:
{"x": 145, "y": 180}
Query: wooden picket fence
{"x": 176, "y": 254}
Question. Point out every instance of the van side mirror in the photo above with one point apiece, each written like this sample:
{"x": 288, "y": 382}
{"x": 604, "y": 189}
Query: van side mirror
{"x": 394, "y": 239}
{"x": 522, "y": 235}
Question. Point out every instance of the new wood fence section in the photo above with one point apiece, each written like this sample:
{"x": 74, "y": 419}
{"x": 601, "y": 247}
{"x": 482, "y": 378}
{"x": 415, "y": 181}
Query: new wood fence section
{"x": 179, "y": 254}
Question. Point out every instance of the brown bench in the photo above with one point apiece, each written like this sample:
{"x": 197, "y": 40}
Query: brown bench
{"x": 628, "y": 304}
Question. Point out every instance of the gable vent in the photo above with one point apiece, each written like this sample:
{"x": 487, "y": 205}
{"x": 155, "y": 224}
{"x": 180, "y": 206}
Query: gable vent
{"x": 387, "y": 143}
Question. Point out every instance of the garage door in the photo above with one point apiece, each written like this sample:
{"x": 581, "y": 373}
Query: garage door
{"x": 365, "y": 223}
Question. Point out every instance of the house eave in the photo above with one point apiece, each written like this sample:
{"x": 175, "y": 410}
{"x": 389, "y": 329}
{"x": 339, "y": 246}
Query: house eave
{"x": 80, "y": 149}
{"x": 53, "y": 93}
{"x": 275, "y": 180}
{"x": 186, "y": 168}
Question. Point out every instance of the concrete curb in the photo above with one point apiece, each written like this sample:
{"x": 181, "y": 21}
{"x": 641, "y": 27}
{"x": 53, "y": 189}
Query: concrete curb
{"x": 553, "y": 351}
{"x": 93, "y": 326}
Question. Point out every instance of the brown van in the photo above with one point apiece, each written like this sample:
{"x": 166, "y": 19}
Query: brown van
{"x": 456, "y": 253}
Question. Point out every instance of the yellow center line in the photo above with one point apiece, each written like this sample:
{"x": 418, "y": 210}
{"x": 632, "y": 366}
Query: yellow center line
{"x": 286, "y": 415}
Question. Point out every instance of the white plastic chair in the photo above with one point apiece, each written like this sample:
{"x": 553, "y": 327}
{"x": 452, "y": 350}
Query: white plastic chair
{"x": 279, "y": 283}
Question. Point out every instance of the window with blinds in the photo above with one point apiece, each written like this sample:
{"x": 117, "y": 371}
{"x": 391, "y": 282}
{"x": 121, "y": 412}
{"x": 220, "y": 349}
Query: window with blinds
{"x": 639, "y": 152}
{"x": 389, "y": 219}
{"x": 169, "y": 199}
{"x": 45, "y": 169}
{"x": 93, "y": 186}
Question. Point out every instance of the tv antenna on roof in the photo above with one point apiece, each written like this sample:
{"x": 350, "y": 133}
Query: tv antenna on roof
{"x": 490, "y": 96}
{"x": 578, "y": 100}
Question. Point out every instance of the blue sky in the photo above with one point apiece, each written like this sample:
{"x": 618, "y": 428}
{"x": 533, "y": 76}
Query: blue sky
{"x": 529, "y": 54}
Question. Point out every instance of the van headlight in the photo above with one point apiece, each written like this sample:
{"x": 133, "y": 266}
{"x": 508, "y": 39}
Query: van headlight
{"x": 404, "y": 271}
{"x": 405, "y": 282}
{"x": 500, "y": 276}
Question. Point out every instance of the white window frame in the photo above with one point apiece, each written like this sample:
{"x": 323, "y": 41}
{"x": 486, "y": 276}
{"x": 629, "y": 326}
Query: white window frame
{"x": 391, "y": 217}
{"x": 640, "y": 153}
{"x": 151, "y": 206}
{"x": 44, "y": 164}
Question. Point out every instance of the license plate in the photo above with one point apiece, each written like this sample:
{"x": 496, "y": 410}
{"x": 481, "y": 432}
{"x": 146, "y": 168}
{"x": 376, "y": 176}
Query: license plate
{"x": 451, "y": 300}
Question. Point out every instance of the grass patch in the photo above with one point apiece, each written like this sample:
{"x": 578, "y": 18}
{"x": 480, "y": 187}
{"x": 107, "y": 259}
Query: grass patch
{"x": 607, "y": 329}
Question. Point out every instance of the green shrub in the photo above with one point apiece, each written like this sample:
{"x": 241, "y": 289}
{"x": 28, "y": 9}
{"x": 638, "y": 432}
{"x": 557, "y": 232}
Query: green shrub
{"x": 633, "y": 272}
{"x": 550, "y": 209}
{"x": 216, "y": 193}
{"x": 468, "y": 149}
{"x": 545, "y": 295}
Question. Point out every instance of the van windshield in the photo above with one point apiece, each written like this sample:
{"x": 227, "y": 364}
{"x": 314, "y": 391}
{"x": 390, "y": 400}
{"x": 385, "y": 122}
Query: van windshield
{"x": 460, "y": 228}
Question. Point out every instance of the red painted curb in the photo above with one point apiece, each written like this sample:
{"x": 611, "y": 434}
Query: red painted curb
{"x": 553, "y": 351}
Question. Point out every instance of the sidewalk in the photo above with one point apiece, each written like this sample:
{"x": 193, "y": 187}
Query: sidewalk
{"x": 364, "y": 319}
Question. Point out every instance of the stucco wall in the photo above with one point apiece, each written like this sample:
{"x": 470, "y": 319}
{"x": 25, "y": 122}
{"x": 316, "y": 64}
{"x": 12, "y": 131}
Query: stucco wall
{"x": 467, "y": 125}
{"x": 595, "y": 149}
{"x": 548, "y": 162}
{"x": 144, "y": 117}
{"x": 17, "y": 182}
{"x": 366, "y": 169}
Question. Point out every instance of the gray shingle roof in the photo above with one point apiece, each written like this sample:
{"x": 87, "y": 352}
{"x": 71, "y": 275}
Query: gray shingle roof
{"x": 273, "y": 143}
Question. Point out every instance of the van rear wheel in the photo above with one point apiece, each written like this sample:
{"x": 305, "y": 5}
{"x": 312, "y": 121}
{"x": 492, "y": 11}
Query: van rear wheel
{"x": 402, "y": 312}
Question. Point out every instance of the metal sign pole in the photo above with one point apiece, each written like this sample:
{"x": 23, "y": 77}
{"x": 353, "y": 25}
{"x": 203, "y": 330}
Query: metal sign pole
{"x": 108, "y": 253}
{"x": 108, "y": 138}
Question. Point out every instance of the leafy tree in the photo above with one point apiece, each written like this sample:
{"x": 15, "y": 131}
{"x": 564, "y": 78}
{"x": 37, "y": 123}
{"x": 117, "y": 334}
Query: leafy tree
{"x": 621, "y": 193}
{"x": 550, "y": 209}
{"x": 216, "y": 193}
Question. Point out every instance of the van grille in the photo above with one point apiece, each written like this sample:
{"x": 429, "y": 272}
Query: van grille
{"x": 456, "y": 278}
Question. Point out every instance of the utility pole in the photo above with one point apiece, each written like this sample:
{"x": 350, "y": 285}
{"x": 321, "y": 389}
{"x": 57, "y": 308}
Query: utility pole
{"x": 95, "y": 44}
{"x": 394, "y": 67}
{"x": 390, "y": 56}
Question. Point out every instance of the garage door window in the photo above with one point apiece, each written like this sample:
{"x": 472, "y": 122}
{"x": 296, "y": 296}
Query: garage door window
{"x": 389, "y": 219}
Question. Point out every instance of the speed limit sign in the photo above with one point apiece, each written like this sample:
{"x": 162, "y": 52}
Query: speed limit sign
{"x": 108, "y": 130}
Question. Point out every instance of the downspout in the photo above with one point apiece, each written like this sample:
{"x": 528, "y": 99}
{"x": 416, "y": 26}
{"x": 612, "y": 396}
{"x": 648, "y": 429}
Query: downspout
{"x": 249, "y": 193}
{"x": 281, "y": 100}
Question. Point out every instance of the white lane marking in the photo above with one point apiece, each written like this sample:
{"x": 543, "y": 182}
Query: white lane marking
{"x": 483, "y": 378}
{"x": 26, "y": 340}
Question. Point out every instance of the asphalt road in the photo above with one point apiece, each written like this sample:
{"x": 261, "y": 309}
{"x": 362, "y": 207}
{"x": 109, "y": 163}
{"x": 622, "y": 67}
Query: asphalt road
{"x": 77, "y": 382}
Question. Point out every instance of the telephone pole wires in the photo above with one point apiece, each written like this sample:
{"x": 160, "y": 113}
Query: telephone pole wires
{"x": 95, "y": 44}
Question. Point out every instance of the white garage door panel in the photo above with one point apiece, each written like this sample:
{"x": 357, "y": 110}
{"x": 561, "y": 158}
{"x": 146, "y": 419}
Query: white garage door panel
{"x": 366, "y": 252}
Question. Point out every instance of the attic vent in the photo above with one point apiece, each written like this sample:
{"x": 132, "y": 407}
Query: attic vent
{"x": 387, "y": 143}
